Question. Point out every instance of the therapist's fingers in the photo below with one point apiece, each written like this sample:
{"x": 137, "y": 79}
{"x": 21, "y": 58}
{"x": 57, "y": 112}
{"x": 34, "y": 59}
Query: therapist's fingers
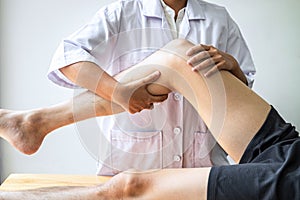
{"x": 197, "y": 54}
{"x": 141, "y": 99}
{"x": 199, "y": 57}
{"x": 137, "y": 106}
{"x": 211, "y": 59}
{"x": 195, "y": 49}
{"x": 148, "y": 79}
{"x": 208, "y": 63}
{"x": 158, "y": 98}
{"x": 134, "y": 96}
{"x": 215, "y": 69}
{"x": 200, "y": 53}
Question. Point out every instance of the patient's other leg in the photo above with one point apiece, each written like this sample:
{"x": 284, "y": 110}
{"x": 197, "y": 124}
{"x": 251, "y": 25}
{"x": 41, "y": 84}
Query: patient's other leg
{"x": 53, "y": 193}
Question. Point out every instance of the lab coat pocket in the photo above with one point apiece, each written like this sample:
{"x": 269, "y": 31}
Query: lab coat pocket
{"x": 136, "y": 150}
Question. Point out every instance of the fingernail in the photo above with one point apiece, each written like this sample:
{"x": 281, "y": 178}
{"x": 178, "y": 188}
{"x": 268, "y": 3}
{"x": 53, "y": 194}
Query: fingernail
{"x": 157, "y": 73}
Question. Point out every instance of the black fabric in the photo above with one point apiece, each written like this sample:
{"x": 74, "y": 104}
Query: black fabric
{"x": 268, "y": 170}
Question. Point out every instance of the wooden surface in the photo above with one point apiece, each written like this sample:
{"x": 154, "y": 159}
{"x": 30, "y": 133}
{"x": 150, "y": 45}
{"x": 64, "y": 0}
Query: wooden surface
{"x": 33, "y": 181}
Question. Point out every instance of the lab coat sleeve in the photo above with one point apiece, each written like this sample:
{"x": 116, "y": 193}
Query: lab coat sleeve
{"x": 94, "y": 43}
{"x": 237, "y": 47}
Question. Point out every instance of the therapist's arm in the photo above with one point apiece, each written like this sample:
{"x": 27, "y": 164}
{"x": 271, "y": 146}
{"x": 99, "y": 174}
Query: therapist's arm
{"x": 132, "y": 97}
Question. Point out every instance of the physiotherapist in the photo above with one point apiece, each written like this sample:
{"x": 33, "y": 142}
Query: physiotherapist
{"x": 156, "y": 132}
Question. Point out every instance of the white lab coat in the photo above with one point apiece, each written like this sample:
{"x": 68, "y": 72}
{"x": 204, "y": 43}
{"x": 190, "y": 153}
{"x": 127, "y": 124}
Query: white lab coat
{"x": 172, "y": 134}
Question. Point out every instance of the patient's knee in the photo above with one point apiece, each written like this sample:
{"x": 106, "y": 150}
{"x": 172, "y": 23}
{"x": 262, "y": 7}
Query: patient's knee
{"x": 136, "y": 184}
{"x": 178, "y": 46}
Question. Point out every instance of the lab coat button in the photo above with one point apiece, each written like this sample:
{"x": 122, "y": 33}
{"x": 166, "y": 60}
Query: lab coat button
{"x": 177, "y": 158}
{"x": 177, "y": 97}
{"x": 177, "y": 130}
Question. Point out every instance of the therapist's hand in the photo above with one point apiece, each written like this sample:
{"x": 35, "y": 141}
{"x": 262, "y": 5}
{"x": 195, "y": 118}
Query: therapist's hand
{"x": 134, "y": 96}
{"x": 211, "y": 59}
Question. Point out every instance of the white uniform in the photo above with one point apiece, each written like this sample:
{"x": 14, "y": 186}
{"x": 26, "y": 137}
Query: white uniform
{"x": 121, "y": 35}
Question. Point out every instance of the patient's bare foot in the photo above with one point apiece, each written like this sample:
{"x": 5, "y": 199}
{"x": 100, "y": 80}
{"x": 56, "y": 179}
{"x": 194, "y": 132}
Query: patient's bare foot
{"x": 24, "y": 130}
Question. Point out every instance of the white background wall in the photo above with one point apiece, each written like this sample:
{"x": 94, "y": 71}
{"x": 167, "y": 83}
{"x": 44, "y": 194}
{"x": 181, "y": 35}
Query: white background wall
{"x": 32, "y": 29}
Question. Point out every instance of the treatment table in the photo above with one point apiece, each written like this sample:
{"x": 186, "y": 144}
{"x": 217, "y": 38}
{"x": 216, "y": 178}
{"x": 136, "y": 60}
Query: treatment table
{"x": 32, "y": 181}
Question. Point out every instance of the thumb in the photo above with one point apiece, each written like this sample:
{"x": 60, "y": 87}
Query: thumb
{"x": 148, "y": 79}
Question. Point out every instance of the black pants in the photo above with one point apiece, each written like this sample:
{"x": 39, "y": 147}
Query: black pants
{"x": 269, "y": 168}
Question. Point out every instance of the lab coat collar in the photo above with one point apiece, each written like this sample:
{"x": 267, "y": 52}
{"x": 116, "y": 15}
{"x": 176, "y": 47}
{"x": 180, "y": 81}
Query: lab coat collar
{"x": 194, "y": 9}
{"x": 153, "y": 8}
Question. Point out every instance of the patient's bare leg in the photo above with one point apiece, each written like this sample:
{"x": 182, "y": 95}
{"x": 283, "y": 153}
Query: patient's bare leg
{"x": 245, "y": 111}
{"x": 245, "y": 114}
{"x": 23, "y": 129}
{"x": 53, "y": 193}
{"x": 26, "y": 130}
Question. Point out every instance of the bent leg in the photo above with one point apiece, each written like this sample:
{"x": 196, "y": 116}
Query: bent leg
{"x": 232, "y": 111}
{"x": 242, "y": 111}
{"x": 270, "y": 166}
{"x": 245, "y": 112}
